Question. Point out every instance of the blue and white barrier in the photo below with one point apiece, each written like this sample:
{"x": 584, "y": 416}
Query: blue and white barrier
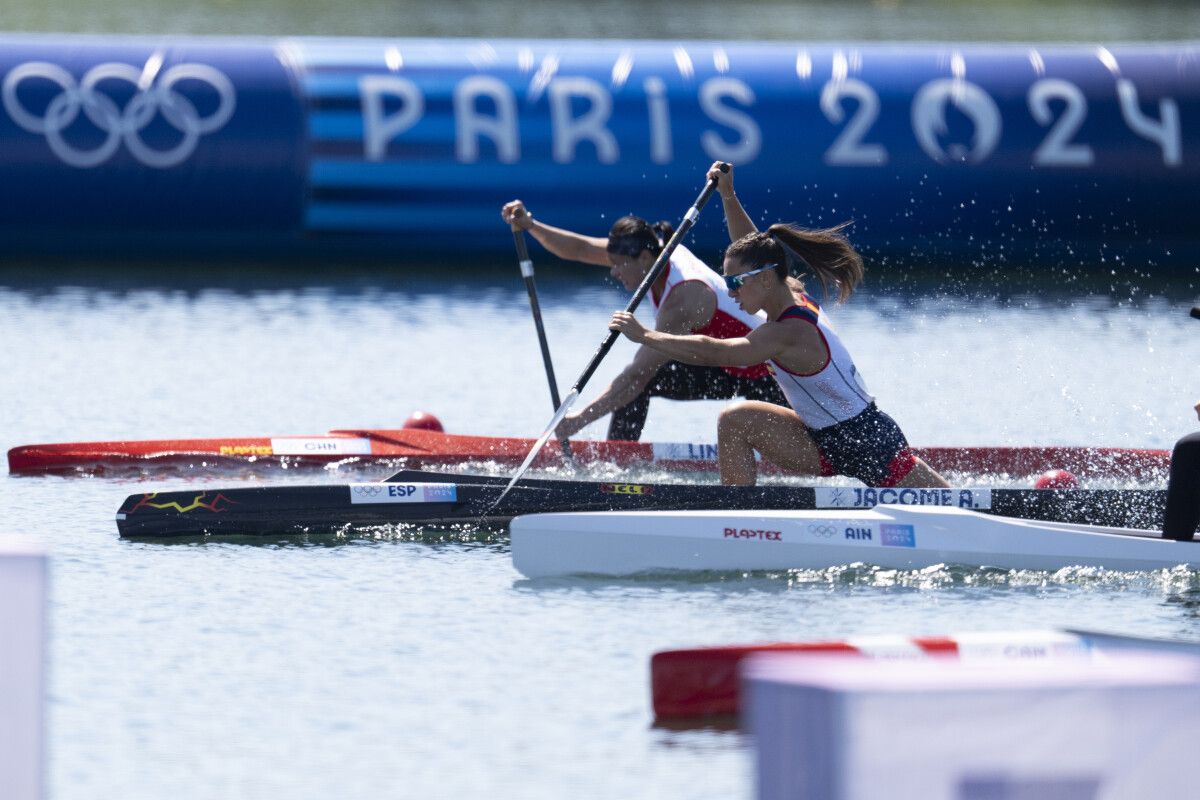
{"x": 22, "y": 669}
{"x": 844, "y": 728}
{"x": 381, "y": 148}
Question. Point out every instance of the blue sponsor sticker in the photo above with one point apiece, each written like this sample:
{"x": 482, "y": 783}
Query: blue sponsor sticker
{"x": 892, "y": 535}
{"x": 441, "y": 493}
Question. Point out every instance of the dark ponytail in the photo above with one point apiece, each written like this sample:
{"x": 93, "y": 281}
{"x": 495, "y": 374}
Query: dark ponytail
{"x": 631, "y": 235}
{"x": 824, "y": 251}
{"x": 664, "y": 231}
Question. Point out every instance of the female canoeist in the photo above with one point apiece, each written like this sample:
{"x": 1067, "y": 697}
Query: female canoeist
{"x": 688, "y": 297}
{"x": 833, "y": 425}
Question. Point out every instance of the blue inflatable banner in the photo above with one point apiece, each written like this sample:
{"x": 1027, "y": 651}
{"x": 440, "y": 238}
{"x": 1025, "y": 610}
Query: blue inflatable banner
{"x": 386, "y": 148}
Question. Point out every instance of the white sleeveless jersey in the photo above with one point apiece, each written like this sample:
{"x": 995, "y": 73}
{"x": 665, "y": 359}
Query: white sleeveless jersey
{"x": 832, "y": 394}
{"x": 728, "y": 321}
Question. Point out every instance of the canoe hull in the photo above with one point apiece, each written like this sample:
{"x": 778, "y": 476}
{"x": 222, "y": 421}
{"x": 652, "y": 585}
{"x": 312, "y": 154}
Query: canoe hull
{"x": 431, "y": 498}
{"x": 628, "y": 543}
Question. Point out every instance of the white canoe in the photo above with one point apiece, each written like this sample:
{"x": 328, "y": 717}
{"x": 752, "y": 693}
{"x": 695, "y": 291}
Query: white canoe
{"x": 902, "y": 537}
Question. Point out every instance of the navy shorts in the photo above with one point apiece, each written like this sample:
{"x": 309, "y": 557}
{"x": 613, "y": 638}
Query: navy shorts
{"x": 869, "y": 446}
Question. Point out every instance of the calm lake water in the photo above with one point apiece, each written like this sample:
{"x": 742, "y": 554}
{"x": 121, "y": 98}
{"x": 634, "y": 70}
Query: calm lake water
{"x": 422, "y": 667}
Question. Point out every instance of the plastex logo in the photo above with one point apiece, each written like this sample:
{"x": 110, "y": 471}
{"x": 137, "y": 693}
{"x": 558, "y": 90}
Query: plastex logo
{"x": 244, "y": 450}
{"x": 752, "y": 533}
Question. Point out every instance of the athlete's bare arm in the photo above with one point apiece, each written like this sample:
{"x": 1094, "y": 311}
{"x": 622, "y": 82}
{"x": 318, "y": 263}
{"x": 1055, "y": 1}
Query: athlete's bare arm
{"x": 759, "y": 345}
{"x": 736, "y": 218}
{"x": 688, "y": 306}
{"x": 562, "y": 243}
{"x": 794, "y": 344}
{"x": 628, "y": 384}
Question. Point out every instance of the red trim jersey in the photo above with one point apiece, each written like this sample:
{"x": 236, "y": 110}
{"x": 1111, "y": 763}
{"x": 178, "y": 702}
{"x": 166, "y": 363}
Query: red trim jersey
{"x": 834, "y": 393}
{"x": 728, "y": 320}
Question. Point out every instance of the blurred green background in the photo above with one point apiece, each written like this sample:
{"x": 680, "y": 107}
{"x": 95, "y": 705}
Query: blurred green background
{"x": 841, "y": 20}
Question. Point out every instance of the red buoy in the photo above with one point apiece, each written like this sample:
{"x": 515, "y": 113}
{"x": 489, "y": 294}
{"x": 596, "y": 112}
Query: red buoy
{"x": 1056, "y": 479}
{"x": 423, "y": 421}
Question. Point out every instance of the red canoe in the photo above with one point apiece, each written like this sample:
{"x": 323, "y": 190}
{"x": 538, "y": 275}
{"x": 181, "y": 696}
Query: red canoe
{"x": 425, "y": 448}
{"x": 702, "y": 682}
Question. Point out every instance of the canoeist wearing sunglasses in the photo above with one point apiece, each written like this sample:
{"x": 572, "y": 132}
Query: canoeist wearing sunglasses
{"x": 688, "y": 297}
{"x": 833, "y": 426}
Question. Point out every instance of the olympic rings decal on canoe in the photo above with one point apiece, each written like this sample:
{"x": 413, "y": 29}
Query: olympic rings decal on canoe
{"x": 154, "y": 94}
{"x": 823, "y": 531}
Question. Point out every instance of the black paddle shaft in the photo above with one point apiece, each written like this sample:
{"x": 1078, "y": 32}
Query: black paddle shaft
{"x": 535, "y": 307}
{"x": 1196, "y": 312}
{"x": 660, "y": 264}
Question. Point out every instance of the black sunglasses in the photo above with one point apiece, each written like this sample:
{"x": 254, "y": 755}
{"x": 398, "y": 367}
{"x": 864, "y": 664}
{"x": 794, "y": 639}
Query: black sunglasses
{"x": 734, "y": 282}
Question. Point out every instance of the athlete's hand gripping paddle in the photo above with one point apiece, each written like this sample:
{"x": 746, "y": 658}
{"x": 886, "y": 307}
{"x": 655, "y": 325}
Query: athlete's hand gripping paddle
{"x": 689, "y": 219}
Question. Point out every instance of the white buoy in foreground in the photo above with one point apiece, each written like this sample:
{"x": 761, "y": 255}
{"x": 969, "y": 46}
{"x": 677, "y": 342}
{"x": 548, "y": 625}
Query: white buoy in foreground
{"x": 22, "y": 669}
{"x": 846, "y": 728}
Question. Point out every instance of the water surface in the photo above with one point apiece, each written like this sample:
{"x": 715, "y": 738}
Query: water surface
{"x": 409, "y": 666}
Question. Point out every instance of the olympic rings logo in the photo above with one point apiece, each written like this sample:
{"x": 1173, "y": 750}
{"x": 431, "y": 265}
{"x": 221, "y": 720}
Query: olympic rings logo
{"x": 823, "y": 531}
{"x": 366, "y": 491}
{"x": 154, "y": 95}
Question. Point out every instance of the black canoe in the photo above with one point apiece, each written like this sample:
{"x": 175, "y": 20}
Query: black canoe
{"x": 423, "y": 498}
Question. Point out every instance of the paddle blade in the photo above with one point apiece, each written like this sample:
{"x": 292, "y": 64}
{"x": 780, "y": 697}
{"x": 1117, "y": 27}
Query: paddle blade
{"x": 568, "y": 401}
